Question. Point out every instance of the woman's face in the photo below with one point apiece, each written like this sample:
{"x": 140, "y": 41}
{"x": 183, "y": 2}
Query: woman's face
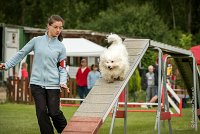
{"x": 83, "y": 63}
{"x": 151, "y": 69}
{"x": 95, "y": 68}
{"x": 55, "y": 29}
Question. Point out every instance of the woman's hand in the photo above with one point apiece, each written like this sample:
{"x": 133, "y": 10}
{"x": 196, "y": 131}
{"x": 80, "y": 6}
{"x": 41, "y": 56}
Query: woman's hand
{"x": 64, "y": 86}
{"x": 2, "y": 66}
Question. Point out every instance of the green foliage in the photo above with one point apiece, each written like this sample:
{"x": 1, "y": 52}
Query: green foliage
{"x": 140, "y": 96}
{"x": 134, "y": 18}
{"x": 185, "y": 41}
{"x": 130, "y": 21}
{"x": 134, "y": 84}
{"x": 196, "y": 38}
{"x": 76, "y": 15}
{"x": 149, "y": 58}
{"x": 172, "y": 37}
{"x": 2, "y": 16}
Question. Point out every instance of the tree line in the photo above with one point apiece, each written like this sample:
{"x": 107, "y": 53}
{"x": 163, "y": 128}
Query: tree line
{"x": 146, "y": 18}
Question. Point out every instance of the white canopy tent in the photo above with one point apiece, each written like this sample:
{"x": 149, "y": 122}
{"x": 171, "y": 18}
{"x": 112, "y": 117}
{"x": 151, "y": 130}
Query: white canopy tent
{"x": 80, "y": 47}
{"x": 77, "y": 47}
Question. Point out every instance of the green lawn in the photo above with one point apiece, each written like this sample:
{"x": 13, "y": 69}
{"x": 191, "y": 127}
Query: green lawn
{"x": 21, "y": 119}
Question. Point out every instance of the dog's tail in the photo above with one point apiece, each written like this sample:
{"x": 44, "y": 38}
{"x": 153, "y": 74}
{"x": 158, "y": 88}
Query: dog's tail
{"x": 114, "y": 38}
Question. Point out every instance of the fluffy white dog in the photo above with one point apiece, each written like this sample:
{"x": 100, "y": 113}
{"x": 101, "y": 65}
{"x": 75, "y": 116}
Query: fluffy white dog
{"x": 114, "y": 60}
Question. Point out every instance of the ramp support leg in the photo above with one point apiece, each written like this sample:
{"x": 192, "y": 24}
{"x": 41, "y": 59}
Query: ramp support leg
{"x": 125, "y": 109}
{"x": 166, "y": 102}
{"x": 195, "y": 93}
{"x": 198, "y": 93}
{"x": 125, "y": 112}
{"x": 162, "y": 77}
{"x": 159, "y": 90}
{"x": 113, "y": 117}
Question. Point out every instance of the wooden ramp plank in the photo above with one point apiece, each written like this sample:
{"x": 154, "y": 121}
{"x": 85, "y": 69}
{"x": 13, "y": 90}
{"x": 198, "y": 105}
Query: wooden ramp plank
{"x": 88, "y": 114}
{"x": 98, "y": 98}
{"x": 83, "y": 125}
{"x": 102, "y": 83}
{"x": 105, "y": 89}
{"x": 132, "y": 58}
{"x": 92, "y": 108}
{"x": 137, "y": 43}
{"x": 135, "y": 52}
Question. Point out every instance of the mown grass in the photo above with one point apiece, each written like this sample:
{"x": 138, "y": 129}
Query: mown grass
{"x": 21, "y": 119}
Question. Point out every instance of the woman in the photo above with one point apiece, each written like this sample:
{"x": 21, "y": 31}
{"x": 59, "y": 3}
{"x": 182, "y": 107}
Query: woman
{"x": 81, "y": 79}
{"x": 46, "y": 78}
{"x": 93, "y": 76}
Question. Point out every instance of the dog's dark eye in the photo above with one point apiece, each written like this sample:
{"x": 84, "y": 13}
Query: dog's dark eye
{"x": 112, "y": 61}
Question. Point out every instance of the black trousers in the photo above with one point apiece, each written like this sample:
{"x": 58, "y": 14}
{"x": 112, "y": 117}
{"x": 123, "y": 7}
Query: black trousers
{"x": 47, "y": 103}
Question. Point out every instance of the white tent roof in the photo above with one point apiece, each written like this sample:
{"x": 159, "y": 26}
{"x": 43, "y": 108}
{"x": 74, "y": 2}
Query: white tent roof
{"x": 81, "y": 47}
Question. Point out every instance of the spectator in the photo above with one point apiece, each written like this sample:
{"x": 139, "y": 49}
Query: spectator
{"x": 155, "y": 97}
{"x": 169, "y": 71}
{"x": 151, "y": 90}
{"x": 93, "y": 76}
{"x": 24, "y": 70}
{"x": 81, "y": 79}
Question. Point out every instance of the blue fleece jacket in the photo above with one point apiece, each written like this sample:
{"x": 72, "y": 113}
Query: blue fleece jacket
{"x": 47, "y": 53}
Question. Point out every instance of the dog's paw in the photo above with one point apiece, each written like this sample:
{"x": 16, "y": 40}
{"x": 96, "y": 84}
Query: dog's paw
{"x": 110, "y": 80}
{"x": 121, "y": 78}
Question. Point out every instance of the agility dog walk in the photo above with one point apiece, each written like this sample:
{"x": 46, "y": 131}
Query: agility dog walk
{"x": 97, "y": 105}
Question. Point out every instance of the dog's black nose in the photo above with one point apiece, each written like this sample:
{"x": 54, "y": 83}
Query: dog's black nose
{"x": 109, "y": 67}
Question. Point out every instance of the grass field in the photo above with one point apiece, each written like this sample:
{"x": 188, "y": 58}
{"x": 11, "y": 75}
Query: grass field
{"x": 21, "y": 119}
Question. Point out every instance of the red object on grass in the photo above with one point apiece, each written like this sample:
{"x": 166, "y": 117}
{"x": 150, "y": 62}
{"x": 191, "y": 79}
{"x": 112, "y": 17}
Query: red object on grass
{"x": 120, "y": 114}
{"x": 142, "y": 111}
{"x": 165, "y": 116}
{"x": 196, "y": 52}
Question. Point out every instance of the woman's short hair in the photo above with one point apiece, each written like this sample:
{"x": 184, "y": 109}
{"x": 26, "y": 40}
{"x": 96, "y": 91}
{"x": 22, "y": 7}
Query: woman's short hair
{"x": 54, "y": 18}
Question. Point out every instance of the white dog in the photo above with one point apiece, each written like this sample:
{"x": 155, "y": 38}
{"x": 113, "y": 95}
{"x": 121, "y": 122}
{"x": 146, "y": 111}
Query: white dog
{"x": 114, "y": 60}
